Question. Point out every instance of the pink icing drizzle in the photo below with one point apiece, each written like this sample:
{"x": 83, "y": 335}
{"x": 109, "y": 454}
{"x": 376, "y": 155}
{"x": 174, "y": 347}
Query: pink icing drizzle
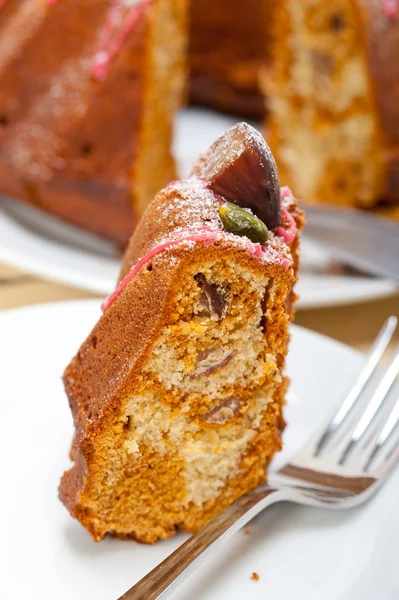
{"x": 285, "y": 193}
{"x": 205, "y": 234}
{"x": 121, "y": 20}
{"x": 289, "y": 234}
{"x": 390, "y": 8}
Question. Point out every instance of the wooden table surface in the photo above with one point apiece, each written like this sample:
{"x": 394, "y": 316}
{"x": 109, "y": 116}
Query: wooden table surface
{"x": 355, "y": 324}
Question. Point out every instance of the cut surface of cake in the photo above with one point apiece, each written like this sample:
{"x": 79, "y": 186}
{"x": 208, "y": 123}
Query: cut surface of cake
{"x": 177, "y": 393}
{"x": 334, "y": 100}
{"x": 88, "y": 93}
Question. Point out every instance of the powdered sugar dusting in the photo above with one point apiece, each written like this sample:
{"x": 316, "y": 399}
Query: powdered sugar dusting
{"x": 193, "y": 202}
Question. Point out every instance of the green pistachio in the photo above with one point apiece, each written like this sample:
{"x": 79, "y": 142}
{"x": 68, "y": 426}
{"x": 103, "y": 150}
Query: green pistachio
{"x": 241, "y": 222}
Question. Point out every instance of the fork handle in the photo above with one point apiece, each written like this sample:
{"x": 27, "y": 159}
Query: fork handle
{"x": 176, "y": 567}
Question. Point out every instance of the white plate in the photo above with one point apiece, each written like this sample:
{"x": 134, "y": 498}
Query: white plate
{"x": 299, "y": 553}
{"x": 41, "y": 244}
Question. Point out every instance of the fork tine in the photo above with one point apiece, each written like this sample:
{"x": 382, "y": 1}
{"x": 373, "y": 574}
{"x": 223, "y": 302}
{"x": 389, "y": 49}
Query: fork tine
{"x": 373, "y": 358}
{"x": 369, "y": 416}
{"x": 390, "y": 425}
{"x": 382, "y": 438}
{"x": 389, "y": 462}
{"x": 367, "y": 449}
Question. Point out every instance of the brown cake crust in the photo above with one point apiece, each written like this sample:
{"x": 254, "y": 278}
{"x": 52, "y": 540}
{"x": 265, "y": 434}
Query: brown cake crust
{"x": 228, "y": 43}
{"x": 381, "y": 39}
{"x": 70, "y": 143}
{"x": 109, "y": 364}
{"x": 381, "y": 36}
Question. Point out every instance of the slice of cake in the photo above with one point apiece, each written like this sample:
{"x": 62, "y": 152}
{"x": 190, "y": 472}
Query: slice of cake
{"x": 88, "y": 94}
{"x": 177, "y": 393}
{"x": 334, "y": 103}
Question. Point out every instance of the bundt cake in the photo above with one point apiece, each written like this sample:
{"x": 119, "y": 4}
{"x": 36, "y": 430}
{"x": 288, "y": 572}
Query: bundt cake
{"x": 177, "y": 393}
{"x": 228, "y": 45}
{"x": 89, "y": 90}
{"x": 334, "y": 99}
{"x": 88, "y": 93}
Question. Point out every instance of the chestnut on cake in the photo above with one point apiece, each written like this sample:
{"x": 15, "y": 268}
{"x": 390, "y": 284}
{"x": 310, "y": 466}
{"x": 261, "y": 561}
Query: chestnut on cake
{"x": 177, "y": 393}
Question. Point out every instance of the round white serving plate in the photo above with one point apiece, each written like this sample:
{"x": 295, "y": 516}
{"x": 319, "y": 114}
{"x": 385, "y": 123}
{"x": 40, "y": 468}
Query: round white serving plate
{"x": 299, "y": 553}
{"x": 41, "y": 244}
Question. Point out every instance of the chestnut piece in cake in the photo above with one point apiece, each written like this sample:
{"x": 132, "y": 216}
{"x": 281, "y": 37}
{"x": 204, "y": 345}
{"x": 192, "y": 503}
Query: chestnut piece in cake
{"x": 240, "y": 168}
{"x": 177, "y": 393}
{"x": 334, "y": 100}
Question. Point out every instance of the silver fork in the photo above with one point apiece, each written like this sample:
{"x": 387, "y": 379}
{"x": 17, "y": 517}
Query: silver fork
{"x": 341, "y": 466}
